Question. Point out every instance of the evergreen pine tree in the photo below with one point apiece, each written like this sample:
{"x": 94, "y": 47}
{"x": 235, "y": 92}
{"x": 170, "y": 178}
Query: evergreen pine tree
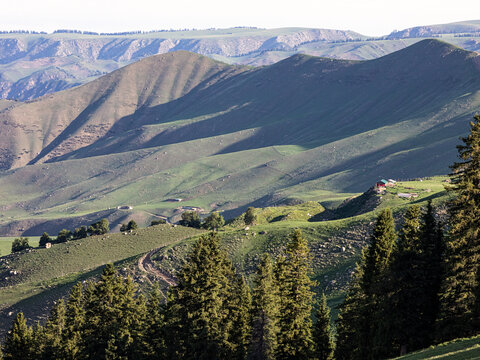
{"x": 198, "y": 311}
{"x": 241, "y": 320}
{"x": 350, "y": 318}
{"x": 74, "y": 321}
{"x": 103, "y": 312}
{"x": 295, "y": 323}
{"x": 18, "y": 342}
{"x": 459, "y": 299}
{"x": 265, "y": 305}
{"x": 322, "y": 333}
{"x": 155, "y": 335}
{"x": 249, "y": 218}
{"x": 433, "y": 250}
{"x": 53, "y": 331}
{"x": 402, "y": 325}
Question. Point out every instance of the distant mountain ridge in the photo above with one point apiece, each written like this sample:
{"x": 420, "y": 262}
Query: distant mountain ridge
{"x": 181, "y": 125}
{"x": 32, "y": 65}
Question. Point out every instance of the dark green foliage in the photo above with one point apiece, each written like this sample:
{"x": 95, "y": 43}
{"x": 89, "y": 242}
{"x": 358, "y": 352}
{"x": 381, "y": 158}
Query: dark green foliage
{"x": 402, "y": 325}
{"x": 158, "y": 222}
{"x": 322, "y": 333}
{"x": 295, "y": 290}
{"x": 74, "y": 322}
{"x": 80, "y": 233}
{"x": 265, "y": 305}
{"x": 350, "y": 319}
{"x": 53, "y": 332}
{"x": 18, "y": 343}
{"x": 190, "y": 219}
{"x": 64, "y": 235}
{"x": 113, "y": 318}
{"x": 250, "y": 217}
{"x": 240, "y": 314}
{"x": 155, "y": 336}
{"x": 460, "y": 294}
{"x": 361, "y": 313}
{"x": 132, "y": 225}
{"x": 99, "y": 228}
{"x": 20, "y": 244}
{"x": 199, "y": 311}
{"x": 44, "y": 239}
{"x": 214, "y": 221}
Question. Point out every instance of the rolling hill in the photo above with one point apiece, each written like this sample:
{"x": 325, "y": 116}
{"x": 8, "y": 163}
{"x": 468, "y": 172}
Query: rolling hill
{"x": 35, "y": 64}
{"x": 218, "y": 136}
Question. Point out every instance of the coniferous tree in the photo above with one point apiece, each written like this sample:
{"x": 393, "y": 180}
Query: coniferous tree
{"x": 18, "y": 342}
{"x": 250, "y": 217}
{"x": 53, "y": 332}
{"x": 433, "y": 251}
{"x": 198, "y": 310}
{"x": 105, "y": 331}
{"x": 265, "y": 305}
{"x": 403, "y": 324}
{"x": 74, "y": 322}
{"x": 377, "y": 261}
{"x": 214, "y": 221}
{"x": 459, "y": 299}
{"x": 295, "y": 323}
{"x": 350, "y": 318}
{"x": 360, "y": 314}
{"x": 155, "y": 335}
{"x": 322, "y": 333}
{"x": 240, "y": 314}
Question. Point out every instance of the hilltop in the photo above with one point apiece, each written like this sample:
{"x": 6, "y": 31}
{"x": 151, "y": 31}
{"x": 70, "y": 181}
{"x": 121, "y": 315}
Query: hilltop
{"x": 35, "y": 64}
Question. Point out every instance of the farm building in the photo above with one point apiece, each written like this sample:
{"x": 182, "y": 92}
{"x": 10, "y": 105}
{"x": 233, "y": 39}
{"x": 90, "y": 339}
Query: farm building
{"x": 382, "y": 183}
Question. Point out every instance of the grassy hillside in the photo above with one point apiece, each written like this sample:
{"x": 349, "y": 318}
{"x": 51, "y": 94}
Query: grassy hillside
{"x": 460, "y": 349}
{"x": 32, "y": 280}
{"x": 306, "y": 127}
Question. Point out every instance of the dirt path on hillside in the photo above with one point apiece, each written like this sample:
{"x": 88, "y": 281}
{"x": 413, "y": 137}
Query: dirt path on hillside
{"x": 145, "y": 264}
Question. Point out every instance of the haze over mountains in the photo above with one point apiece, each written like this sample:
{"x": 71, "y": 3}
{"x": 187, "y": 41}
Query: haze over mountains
{"x": 32, "y": 65}
{"x": 181, "y": 125}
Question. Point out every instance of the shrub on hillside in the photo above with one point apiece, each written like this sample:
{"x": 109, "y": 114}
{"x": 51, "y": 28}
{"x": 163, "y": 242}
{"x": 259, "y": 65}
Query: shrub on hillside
{"x": 20, "y": 244}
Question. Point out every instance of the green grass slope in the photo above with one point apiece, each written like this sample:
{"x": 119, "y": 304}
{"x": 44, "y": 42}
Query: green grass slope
{"x": 305, "y": 127}
{"x": 32, "y": 280}
{"x": 460, "y": 349}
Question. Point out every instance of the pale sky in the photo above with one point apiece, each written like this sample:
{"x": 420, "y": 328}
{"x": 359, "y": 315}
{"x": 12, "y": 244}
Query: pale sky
{"x": 369, "y": 17}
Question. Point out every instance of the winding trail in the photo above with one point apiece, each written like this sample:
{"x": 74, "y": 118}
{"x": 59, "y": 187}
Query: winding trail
{"x": 145, "y": 264}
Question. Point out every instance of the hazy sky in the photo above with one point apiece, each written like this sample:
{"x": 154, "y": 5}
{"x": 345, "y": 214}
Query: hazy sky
{"x": 369, "y": 17}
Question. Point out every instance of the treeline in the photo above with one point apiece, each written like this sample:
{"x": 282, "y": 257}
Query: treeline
{"x": 421, "y": 286}
{"x": 22, "y": 32}
{"x": 210, "y": 314}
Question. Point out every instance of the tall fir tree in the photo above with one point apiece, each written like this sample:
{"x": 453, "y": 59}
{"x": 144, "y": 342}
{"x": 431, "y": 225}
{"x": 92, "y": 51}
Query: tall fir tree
{"x": 350, "y": 317}
{"x": 460, "y": 293}
{"x": 402, "y": 324}
{"x": 108, "y": 317}
{"x": 53, "y": 332}
{"x": 295, "y": 288}
{"x": 322, "y": 333}
{"x": 18, "y": 342}
{"x": 155, "y": 336}
{"x": 359, "y": 316}
{"x": 265, "y": 308}
{"x": 198, "y": 310}
{"x": 433, "y": 251}
{"x": 74, "y": 322}
{"x": 241, "y": 318}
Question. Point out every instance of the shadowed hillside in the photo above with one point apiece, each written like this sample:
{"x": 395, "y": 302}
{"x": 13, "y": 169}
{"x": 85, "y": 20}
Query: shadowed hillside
{"x": 231, "y": 136}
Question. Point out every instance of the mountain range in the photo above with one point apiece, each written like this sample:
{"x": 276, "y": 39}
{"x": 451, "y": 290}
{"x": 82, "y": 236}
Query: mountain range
{"x": 35, "y": 64}
{"x": 219, "y": 136}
